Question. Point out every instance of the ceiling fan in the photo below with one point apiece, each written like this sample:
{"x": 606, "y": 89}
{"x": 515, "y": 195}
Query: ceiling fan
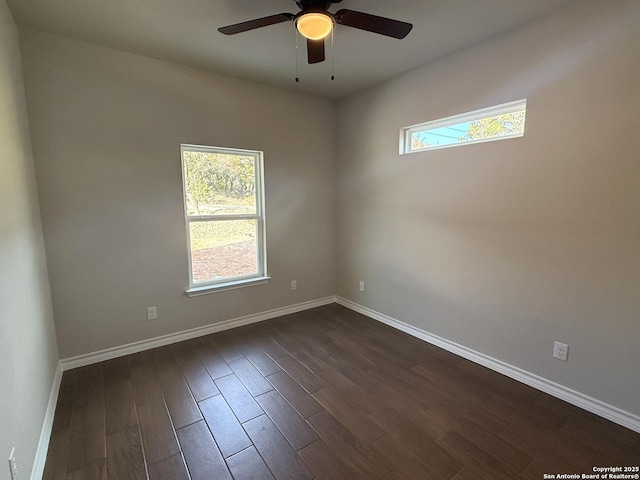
{"x": 315, "y": 22}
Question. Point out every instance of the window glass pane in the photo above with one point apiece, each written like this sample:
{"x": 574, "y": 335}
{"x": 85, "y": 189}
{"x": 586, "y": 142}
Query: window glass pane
{"x": 485, "y": 128}
{"x": 219, "y": 183}
{"x": 440, "y": 136}
{"x": 225, "y": 248}
{"x": 500, "y": 121}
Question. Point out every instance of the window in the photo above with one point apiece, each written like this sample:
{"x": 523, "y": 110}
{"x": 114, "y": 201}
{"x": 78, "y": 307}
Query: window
{"x": 493, "y": 123}
{"x": 224, "y": 212}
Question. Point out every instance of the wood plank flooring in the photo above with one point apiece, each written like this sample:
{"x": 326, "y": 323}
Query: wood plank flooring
{"x": 324, "y": 394}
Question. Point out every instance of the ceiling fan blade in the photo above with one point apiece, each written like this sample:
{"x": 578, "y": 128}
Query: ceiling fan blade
{"x": 315, "y": 50}
{"x": 257, "y": 23}
{"x": 373, "y": 23}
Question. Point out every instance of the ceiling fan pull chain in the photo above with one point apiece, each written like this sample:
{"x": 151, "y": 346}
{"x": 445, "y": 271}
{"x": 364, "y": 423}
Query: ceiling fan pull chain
{"x": 332, "y": 51}
{"x": 295, "y": 32}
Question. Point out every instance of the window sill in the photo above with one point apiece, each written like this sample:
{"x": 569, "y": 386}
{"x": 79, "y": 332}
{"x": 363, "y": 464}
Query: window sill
{"x": 221, "y": 287}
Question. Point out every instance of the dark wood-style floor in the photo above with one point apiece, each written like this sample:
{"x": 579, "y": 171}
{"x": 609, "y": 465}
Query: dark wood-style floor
{"x": 324, "y": 394}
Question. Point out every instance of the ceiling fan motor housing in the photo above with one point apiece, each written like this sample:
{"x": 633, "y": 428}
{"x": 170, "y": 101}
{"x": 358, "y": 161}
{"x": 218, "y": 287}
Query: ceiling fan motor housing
{"x": 315, "y": 5}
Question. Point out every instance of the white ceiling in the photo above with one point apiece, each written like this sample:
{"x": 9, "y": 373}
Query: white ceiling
{"x": 185, "y": 32}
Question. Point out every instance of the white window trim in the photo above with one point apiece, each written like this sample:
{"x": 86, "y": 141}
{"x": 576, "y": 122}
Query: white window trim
{"x": 230, "y": 285}
{"x": 505, "y": 108}
{"x": 239, "y": 281}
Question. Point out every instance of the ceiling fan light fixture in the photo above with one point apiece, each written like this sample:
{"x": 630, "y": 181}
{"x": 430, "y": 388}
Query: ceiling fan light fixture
{"x": 314, "y": 26}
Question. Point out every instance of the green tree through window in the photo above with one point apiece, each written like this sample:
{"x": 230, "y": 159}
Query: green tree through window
{"x": 497, "y": 126}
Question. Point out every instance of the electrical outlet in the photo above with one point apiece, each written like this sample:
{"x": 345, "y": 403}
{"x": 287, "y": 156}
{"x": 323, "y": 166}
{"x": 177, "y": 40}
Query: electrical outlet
{"x": 294, "y": 285}
{"x": 362, "y": 285}
{"x": 13, "y": 464}
{"x": 152, "y": 313}
{"x": 561, "y": 351}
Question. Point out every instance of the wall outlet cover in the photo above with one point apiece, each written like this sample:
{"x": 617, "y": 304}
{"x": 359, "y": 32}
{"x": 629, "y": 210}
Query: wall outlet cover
{"x": 152, "y": 313}
{"x": 561, "y": 351}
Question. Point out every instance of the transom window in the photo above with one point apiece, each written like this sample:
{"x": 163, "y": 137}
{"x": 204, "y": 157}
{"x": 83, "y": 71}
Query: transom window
{"x": 224, "y": 213}
{"x": 494, "y": 123}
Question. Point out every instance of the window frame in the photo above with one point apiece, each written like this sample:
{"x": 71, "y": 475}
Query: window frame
{"x": 406, "y": 133}
{"x": 260, "y": 277}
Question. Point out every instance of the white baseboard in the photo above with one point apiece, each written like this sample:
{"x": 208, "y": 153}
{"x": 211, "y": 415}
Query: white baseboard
{"x": 45, "y": 434}
{"x": 135, "y": 347}
{"x": 578, "y": 399}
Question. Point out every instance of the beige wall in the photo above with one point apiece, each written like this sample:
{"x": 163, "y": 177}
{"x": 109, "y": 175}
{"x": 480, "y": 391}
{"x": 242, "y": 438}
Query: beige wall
{"x": 28, "y": 356}
{"x": 107, "y": 128}
{"x": 504, "y": 247}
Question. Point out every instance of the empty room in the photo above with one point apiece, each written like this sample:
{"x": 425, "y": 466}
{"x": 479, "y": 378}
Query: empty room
{"x": 319, "y": 240}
